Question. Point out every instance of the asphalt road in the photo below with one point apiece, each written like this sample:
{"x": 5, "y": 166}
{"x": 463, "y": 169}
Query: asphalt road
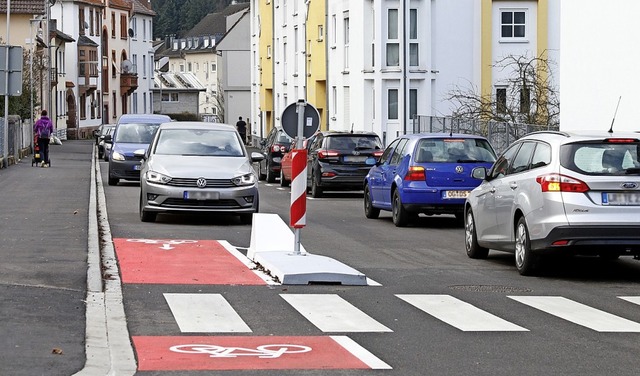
{"x": 423, "y": 260}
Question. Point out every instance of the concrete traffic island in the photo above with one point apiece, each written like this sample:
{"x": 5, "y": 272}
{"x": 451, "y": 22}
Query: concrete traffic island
{"x": 272, "y": 247}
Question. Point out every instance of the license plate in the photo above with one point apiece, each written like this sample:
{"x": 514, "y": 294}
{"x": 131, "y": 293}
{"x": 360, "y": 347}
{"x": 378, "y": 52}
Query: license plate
{"x": 201, "y": 195}
{"x": 621, "y": 198}
{"x": 354, "y": 158}
{"x": 136, "y": 167}
{"x": 455, "y": 194}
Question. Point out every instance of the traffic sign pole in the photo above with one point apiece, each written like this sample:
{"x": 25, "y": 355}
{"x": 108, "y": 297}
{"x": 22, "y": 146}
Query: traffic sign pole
{"x": 299, "y": 181}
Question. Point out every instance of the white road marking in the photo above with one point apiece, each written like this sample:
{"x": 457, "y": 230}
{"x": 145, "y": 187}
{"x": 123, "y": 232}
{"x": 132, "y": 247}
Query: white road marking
{"x": 360, "y": 352}
{"x": 459, "y": 314}
{"x": 579, "y": 313}
{"x": 331, "y": 313}
{"x": 205, "y": 313}
{"x": 632, "y": 299}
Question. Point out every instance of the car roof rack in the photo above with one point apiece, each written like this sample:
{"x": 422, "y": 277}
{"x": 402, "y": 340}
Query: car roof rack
{"x": 560, "y": 133}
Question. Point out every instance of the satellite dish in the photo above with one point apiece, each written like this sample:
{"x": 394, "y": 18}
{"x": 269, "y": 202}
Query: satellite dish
{"x": 126, "y": 66}
{"x": 130, "y": 33}
{"x": 86, "y": 24}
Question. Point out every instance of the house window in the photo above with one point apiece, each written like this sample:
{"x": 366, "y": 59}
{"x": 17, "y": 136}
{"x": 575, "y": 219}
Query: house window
{"x": 525, "y": 100}
{"x": 144, "y": 30}
{"x": 268, "y": 52}
{"x": 334, "y": 28}
{"x": 83, "y": 106}
{"x": 213, "y": 67}
{"x": 512, "y": 24}
{"x": 320, "y": 33}
{"x": 134, "y": 27}
{"x": 393, "y": 44}
{"x": 91, "y": 21}
{"x": 144, "y": 66}
{"x": 392, "y": 104}
{"x": 135, "y": 102}
{"x": 113, "y": 24}
{"x": 123, "y": 26}
{"x": 334, "y": 102}
{"x": 170, "y": 97}
{"x": 346, "y": 39}
{"x": 414, "y": 51}
{"x": 181, "y": 68}
{"x": 501, "y": 100}
{"x": 81, "y": 20}
{"x": 413, "y": 103}
{"x": 189, "y": 67}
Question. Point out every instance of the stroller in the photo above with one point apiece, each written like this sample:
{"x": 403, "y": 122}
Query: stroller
{"x": 37, "y": 156}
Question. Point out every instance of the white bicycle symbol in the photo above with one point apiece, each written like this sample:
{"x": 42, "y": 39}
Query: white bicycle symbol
{"x": 166, "y": 244}
{"x": 264, "y": 351}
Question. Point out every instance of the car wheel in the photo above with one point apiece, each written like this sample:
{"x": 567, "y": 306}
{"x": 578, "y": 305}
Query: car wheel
{"x": 113, "y": 181}
{"x": 399, "y": 214}
{"x": 261, "y": 176}
{"x": 100, "y": 154}
{"x": 525, "y": 259}
{"x": 316, "y": 189}
{"x": 283, "y": 182}
{"x": 271, "y": 176}
{"x": 145, "y": 215}
{"x": 369, "y": 210}
{"x": 474, "y": 250}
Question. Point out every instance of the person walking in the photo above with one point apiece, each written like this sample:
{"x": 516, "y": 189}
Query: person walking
{"x": 241, "y": 125}
{"x": 43, "y": 128}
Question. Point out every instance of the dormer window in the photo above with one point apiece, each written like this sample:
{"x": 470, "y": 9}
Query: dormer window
{"x": 175, "y": 45}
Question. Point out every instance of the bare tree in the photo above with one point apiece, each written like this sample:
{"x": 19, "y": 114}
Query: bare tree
{"x": 526, "y": 96}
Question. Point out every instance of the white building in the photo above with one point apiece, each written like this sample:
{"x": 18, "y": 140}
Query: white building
{"x": 142, "y": 54}
{"x": 78, "y": 87}
{"x": 388, "y": 61}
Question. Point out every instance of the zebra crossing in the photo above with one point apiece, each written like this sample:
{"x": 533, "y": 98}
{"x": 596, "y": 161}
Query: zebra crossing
{"x": 330, "y": 313}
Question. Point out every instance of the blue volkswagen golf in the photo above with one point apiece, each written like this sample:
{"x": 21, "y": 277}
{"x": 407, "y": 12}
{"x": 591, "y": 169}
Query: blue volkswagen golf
{"x": 427, "y": 173}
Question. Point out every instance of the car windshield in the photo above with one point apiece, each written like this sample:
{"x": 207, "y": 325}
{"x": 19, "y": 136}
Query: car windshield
{"x": 136, "y": 133}
{"x": 602, "y": 158}
{"x": 458, "y": 150}
{"x": 283, "y": 138}
{"x": 354, "y": 142}
{"x": 199, "y": 142}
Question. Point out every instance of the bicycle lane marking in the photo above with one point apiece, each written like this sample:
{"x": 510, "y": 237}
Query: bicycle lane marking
{"x": 173, "y": 261}
{"x": 220, "y": 353}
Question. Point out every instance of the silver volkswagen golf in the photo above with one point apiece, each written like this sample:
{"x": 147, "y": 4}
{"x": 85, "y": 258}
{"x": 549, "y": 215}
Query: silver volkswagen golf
{"x": 198, "y": 167}
{"x": 558, "y": 192}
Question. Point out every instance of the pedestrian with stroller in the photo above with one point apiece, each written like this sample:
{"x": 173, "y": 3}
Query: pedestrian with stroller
{"x": 43, "y": 128}
{"x": 242, "y": 129}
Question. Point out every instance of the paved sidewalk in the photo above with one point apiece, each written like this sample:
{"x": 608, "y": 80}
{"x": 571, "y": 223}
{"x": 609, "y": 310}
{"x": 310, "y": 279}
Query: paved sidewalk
{"x": 43, "y": 262}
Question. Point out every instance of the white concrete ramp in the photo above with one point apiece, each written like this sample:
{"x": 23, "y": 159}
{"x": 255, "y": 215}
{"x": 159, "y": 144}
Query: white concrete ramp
{"x": 272, "y": 245}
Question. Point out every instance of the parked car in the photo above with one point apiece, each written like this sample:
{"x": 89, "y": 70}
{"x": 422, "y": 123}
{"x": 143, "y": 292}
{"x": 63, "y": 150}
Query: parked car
{"x": 427, "y": 173}
{"x": 198, "y": 167}
{"x": 105, "y": 130}
{"x": 286, "y": 161}
{"x": 133, "y": 132}
{"x": 340, "y": 160}
{"x": 273, "y": 147}
{"x": 558, "y": 193}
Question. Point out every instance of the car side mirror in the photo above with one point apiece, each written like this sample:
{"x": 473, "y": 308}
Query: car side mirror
{"x": 479, "y": 173}
{"x": 140, "y": 153}
{"x": 256, "y": 157}
{"x": 263, "y": 142}
{"x": 108, "y": 139}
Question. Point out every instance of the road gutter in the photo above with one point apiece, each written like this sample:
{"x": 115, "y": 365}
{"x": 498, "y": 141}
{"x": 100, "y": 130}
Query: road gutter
{"x": 107, "y": 342}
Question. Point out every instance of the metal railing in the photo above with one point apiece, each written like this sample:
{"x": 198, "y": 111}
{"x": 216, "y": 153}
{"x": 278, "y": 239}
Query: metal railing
{"x": 499, "y": 134}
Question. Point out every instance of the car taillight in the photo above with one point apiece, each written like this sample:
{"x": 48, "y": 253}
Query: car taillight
{"x": 621, "y": 140}
{"x": 278, "y": 148}
{"x": 416, "y": 173}
{"x": 323, "y": 154}
{"x": 561, "y": 183}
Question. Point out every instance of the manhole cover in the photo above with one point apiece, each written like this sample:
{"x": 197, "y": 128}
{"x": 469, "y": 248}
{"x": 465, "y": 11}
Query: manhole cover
{"x": 489, "y": 288}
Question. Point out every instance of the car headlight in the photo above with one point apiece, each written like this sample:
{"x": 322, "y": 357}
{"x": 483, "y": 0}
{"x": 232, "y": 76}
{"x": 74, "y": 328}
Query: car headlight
{"x": 248, "y": 179}
{"x": 156, "y": 177}
{"x": 117, "y": 156}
